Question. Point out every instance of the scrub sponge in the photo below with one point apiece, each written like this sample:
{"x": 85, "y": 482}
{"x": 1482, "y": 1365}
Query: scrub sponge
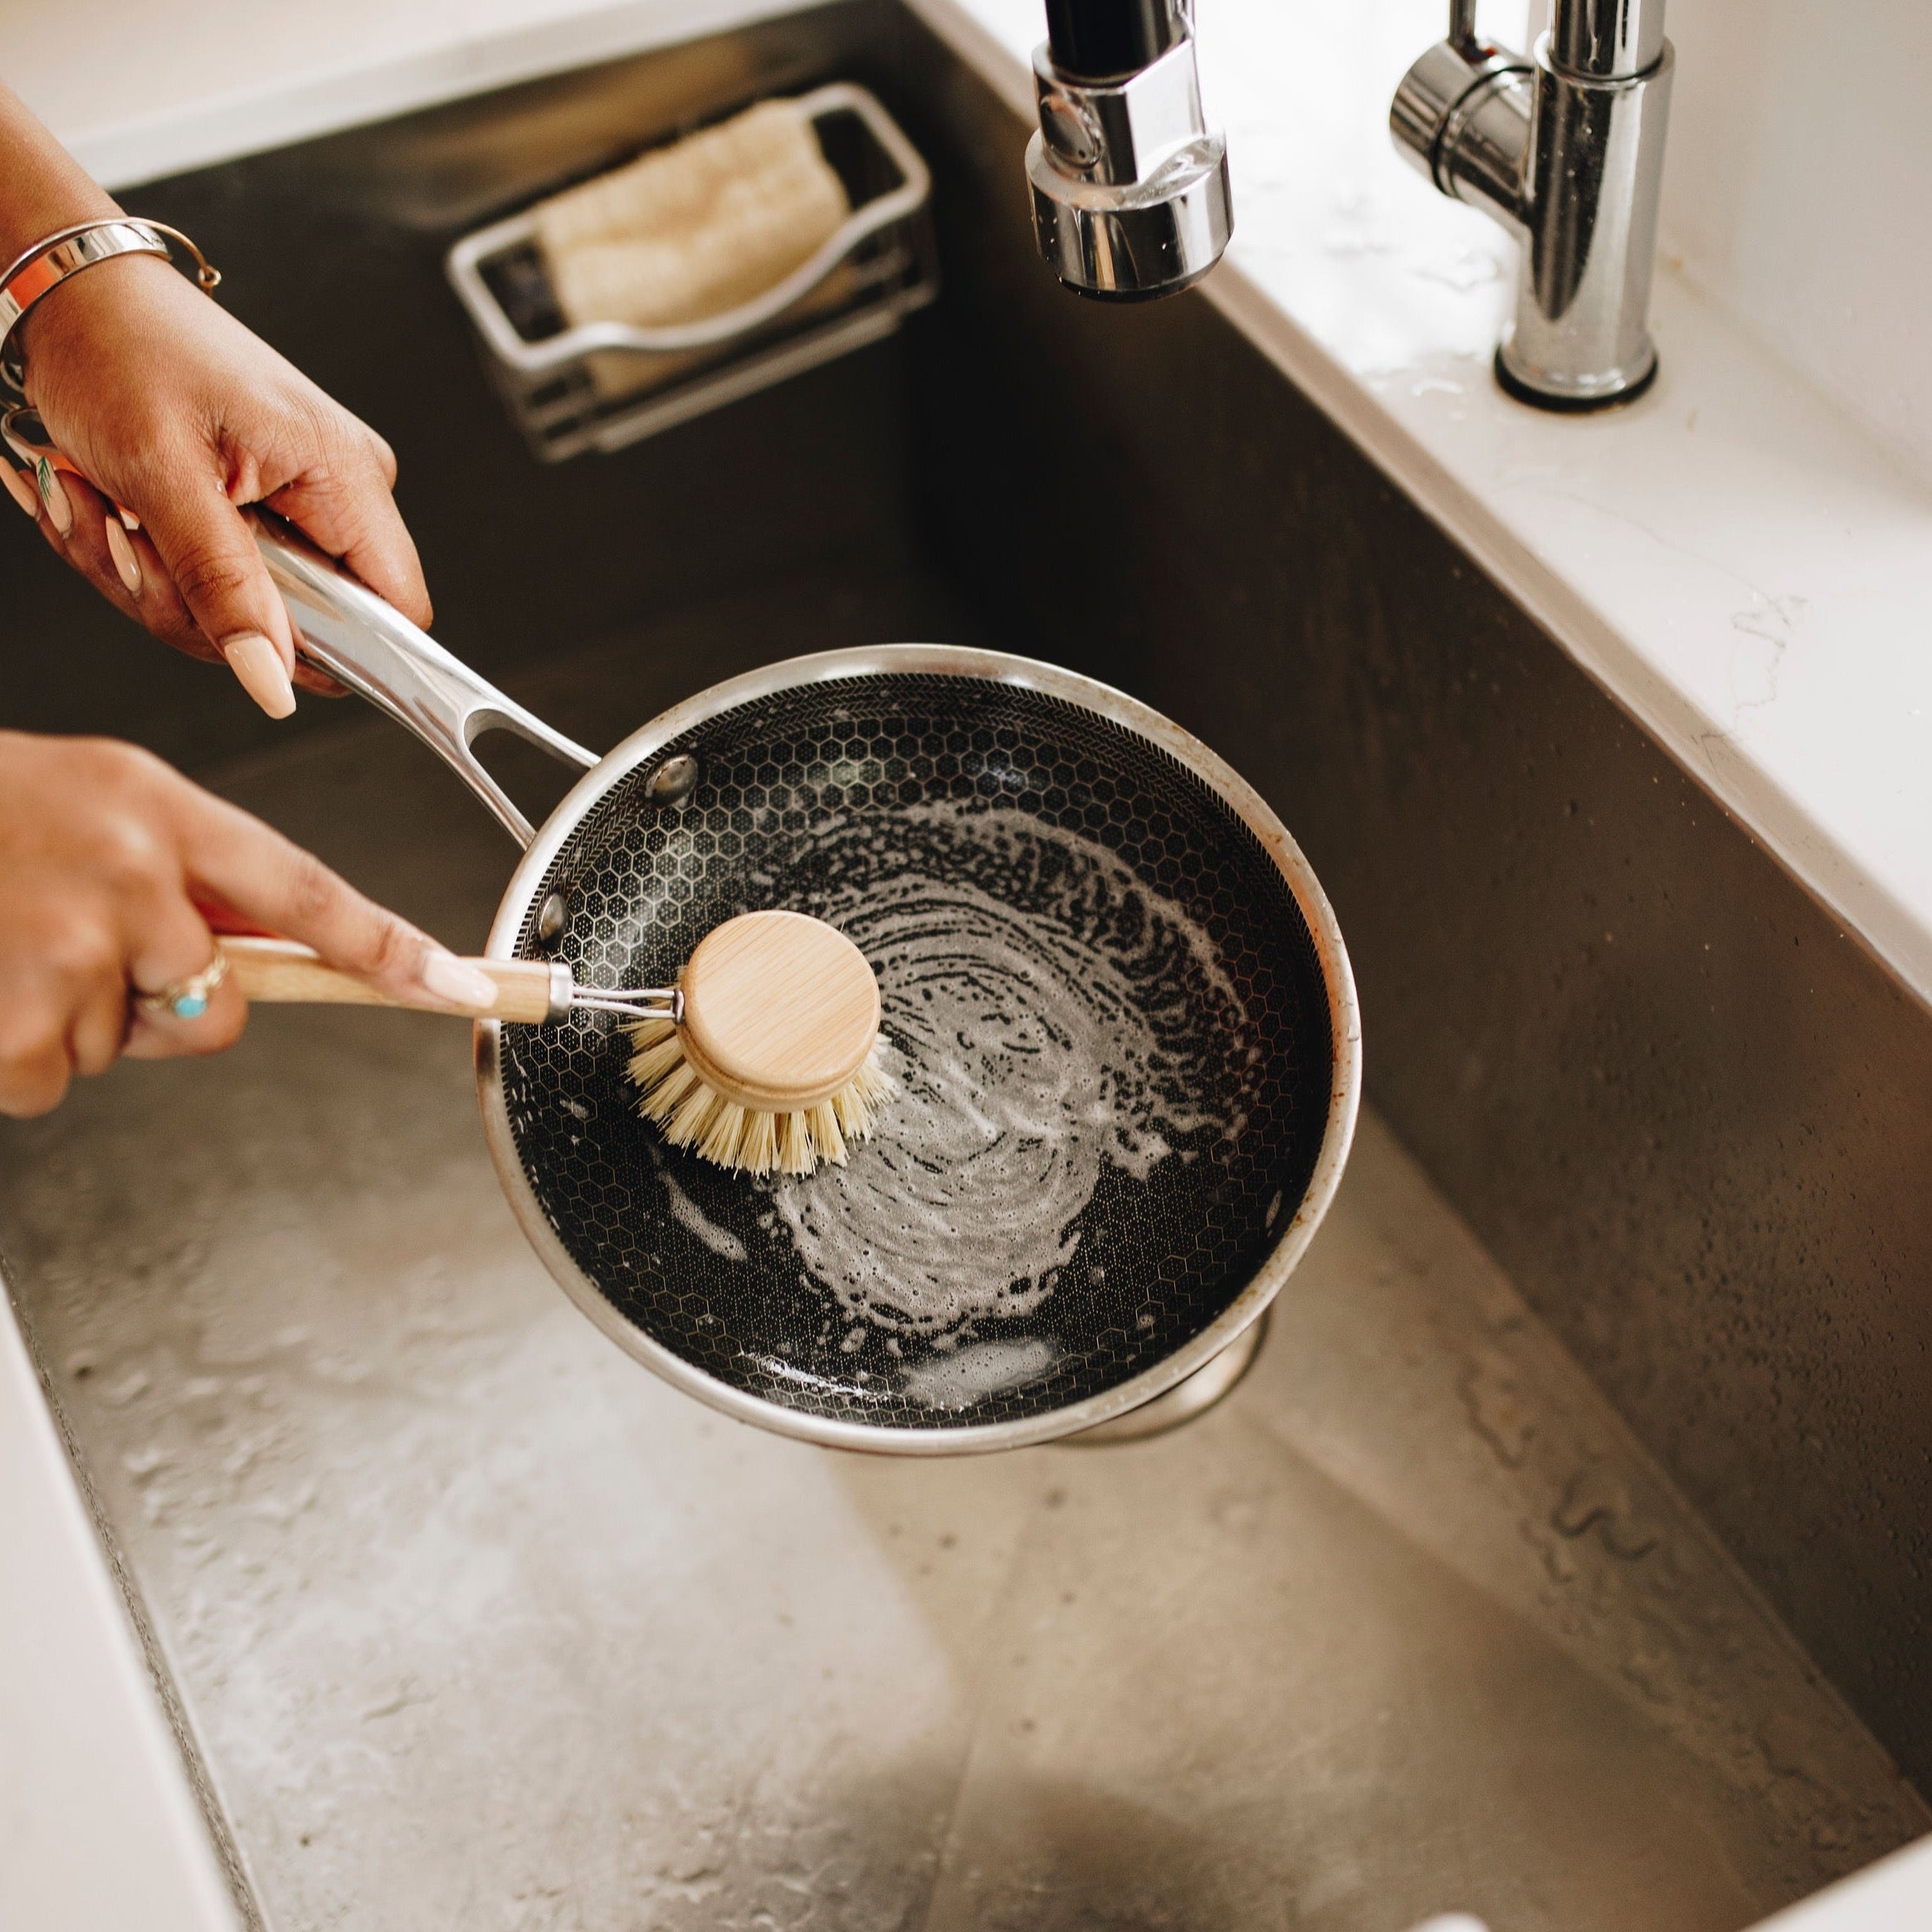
{"x": 691, "y": 230}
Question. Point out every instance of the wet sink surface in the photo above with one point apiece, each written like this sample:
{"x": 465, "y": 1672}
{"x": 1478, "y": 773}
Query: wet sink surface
{"x": 479, "y": 1624}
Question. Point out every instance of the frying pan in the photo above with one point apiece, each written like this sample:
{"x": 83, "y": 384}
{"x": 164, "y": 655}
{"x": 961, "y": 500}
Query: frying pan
{"x": 1068, "y": 898}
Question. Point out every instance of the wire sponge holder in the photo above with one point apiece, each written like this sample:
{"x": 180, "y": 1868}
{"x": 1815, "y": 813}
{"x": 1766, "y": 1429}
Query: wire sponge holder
{"x": 606, "y": 384}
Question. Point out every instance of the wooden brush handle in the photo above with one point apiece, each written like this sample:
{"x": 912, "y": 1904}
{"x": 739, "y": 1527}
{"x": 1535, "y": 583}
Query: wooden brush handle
{"x": 280, "y": 973}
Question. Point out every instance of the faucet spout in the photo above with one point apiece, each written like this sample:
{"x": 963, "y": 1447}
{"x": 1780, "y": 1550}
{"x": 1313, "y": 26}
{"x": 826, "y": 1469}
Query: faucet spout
{"x": 1130, "y": 193}
{"x": 1564, "y": 147}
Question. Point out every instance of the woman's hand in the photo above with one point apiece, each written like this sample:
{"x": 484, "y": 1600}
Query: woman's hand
{"x": 176, "y": 410}
{"x": 171, "y": 407}
{"x": 104, "y": 852}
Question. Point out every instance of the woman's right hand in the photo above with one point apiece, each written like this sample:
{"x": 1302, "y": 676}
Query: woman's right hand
{"x": 105, "y": 851}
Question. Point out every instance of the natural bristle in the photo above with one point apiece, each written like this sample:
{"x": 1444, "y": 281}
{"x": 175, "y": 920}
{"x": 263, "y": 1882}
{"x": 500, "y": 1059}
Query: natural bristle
{"x": 673, "y": 1097}
{"x": 773, "y": 1064}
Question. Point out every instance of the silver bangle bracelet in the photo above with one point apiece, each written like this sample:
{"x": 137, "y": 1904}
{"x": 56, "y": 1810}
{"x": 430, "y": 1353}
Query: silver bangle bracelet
{"x": 50, "y": 261}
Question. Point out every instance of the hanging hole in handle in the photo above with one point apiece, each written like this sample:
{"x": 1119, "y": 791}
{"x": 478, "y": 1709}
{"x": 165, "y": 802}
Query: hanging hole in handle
{"x": 530, "y": 775}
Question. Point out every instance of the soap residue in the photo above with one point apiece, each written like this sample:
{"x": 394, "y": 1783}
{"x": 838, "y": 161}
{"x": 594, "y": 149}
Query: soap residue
{"x": 690, "y": 1216}
{"x": 970, "y": 1374}
{"x": 1046, "y": 1015}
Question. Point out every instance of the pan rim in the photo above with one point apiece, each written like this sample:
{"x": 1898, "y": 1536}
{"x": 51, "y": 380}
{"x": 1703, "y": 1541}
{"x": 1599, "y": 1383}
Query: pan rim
{"x": 955, "y": 660}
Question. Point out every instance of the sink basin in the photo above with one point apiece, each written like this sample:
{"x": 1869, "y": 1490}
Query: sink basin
{"x": 471, "y": 1621}
{"x": 477, "y": 1623}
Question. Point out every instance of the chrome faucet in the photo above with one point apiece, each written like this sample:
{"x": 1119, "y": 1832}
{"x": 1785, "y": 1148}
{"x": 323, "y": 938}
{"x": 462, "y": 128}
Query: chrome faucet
{"x": 1565, "y": 149}
{"x": 1131, "y": 197}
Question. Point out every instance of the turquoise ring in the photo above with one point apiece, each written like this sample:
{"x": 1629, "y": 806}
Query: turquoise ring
{"x": 189, "y": 999}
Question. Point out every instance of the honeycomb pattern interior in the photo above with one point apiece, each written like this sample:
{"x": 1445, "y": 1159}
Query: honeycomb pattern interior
{"x": 694, "y": 1257}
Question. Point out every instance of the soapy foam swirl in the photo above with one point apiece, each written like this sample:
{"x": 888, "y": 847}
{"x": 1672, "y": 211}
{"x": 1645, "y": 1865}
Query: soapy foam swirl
{"x": 1067, "y": 1019}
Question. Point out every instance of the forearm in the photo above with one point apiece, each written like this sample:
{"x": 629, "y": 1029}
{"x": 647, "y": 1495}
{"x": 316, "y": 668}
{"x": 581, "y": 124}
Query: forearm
{"x": 43, "y": 187}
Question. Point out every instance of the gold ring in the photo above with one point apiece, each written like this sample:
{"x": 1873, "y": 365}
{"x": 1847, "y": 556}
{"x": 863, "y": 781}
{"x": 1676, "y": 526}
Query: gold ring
{"x": 188, "y": 998}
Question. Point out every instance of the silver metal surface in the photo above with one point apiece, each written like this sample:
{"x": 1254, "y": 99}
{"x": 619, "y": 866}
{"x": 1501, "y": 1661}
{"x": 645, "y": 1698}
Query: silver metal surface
{"x": 1607, "y": 40}
{"x": 1186, "y": 1400}
{"x": 364, "y": 643}
{"x": 939, "y": 660}
{"x": 50, "y": 261}
{"x": 633, "y": 1003}
{"x": 578, "y": 389}
{"x": 674, "y": 781}
{"x": 1403, "y": 788}
{"x": 66, "y": 251}
{"x": 1471, "y": 101}
{"x": 1130, "y": 190}
{"x": 1132, "y": 124}
{"x": 1565, "y": 149}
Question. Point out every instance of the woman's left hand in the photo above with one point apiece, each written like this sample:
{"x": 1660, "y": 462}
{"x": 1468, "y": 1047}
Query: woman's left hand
{"x": 168, "y": 405}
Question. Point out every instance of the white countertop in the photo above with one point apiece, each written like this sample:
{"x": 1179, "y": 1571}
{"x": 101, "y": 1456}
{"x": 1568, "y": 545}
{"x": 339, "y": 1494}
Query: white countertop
{"x": 1732, "y": 557}
{"x": 98, "y": 1827}
{"x": 138, "y": 91}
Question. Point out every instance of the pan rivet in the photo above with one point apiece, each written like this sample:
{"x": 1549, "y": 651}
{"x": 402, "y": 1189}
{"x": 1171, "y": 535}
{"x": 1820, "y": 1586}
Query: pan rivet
{"x": 674, "y": 781}
{"x": 551, "y": 918}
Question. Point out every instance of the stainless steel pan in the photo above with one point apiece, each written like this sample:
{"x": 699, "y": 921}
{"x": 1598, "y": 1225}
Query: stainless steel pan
{"x": 890, "y": 787}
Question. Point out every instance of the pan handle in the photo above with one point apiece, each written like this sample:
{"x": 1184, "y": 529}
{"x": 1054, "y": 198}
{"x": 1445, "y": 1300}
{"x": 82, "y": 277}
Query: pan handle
{"x": 367, "y": 644}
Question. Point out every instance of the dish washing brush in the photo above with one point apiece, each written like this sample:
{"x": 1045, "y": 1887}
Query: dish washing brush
{"x": 764, "y": 1058}
{"x": 773, "y": 1064}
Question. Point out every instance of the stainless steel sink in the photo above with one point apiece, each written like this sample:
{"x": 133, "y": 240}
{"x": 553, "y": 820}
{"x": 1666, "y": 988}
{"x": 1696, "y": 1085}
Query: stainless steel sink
{"x": 471, "y": 1623}
{"x": 477, "y": 1623}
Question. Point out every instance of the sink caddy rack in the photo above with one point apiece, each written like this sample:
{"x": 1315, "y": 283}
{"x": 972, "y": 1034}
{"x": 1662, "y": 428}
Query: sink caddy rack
{"x": 606, "y": 384}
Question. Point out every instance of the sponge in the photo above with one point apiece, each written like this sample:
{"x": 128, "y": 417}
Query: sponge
{"x": 692, "y": 230}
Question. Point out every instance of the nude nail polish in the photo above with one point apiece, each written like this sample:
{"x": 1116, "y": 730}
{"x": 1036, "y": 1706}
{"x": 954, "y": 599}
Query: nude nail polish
{"x": 127, "y": 565}
{"x": 256, "y": 662}
{"x": 458, "y": 982}
{"x": 19, "y": 490}
{"x": 55, "y": 497}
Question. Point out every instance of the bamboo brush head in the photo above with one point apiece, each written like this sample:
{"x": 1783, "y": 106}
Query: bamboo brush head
{"x": 775, "y": 1065}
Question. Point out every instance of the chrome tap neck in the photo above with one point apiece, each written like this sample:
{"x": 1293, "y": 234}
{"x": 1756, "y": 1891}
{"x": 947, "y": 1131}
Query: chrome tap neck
{"x": 1606, "y": 40}
{"x": 1565, "y": 149}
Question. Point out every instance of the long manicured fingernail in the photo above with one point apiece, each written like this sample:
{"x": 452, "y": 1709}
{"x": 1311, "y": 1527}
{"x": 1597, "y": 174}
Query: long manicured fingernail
{"x": 125, "y": 562}
{"x": 55, "y": 497}
{"x": 19, "y": 490}
{"x": 457, "y": 982}
{"x": 258, "y": 664}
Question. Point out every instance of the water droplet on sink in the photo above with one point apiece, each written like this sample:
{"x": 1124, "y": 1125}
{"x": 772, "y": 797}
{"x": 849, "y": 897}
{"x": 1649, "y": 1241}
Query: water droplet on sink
{"x": 1596, "y": 1497}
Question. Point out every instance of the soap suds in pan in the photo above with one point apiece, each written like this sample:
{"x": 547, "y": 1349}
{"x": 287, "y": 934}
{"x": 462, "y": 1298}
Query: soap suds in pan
{"x": 1065, "y": 1019}
{"x": 688, "y": 1215}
